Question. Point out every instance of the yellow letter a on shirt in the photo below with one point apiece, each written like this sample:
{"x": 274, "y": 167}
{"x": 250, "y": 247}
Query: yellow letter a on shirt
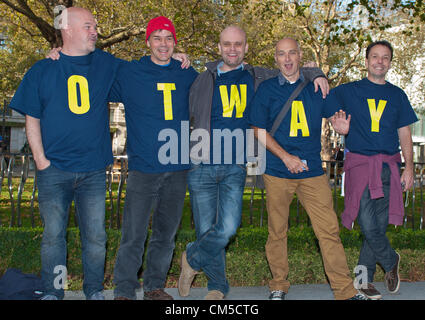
{"x": 298, "y": 112}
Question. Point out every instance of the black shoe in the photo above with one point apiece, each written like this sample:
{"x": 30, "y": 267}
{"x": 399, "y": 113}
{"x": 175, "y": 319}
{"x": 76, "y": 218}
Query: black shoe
{"x": 371, "y": 292}
{"x": 277, "y": 295}
{"x": 359, "y": 296}
{"x": 158, "y": 294}
{"x": 392, "y": 277}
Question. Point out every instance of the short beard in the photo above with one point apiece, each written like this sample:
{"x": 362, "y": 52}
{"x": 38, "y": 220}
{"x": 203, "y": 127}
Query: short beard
{"x": 232, "y": 65}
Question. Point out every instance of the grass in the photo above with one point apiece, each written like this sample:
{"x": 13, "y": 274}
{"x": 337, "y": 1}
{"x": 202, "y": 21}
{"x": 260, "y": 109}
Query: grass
{"x": 250, "y": 268}
{"x": 245, "y": 266}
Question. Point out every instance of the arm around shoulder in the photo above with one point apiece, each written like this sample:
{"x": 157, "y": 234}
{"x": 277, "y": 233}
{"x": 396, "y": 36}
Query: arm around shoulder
{"x": 312, "y": 73}
{"x": 319, "y": 79}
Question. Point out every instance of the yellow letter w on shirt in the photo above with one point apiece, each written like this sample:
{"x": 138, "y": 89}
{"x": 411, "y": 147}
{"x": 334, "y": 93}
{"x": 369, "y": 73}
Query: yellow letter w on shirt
{"x": 376, "y": 114}
{"x": 235, "y": 99}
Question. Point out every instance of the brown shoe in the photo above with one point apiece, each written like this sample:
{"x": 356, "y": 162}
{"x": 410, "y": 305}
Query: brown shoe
{"x": 158, "y": 294}
{"x": 121, "y": 298}
{"x": 392, "y": 277}
{"x": 214, "y": 295}
{"x": 371, "y": 292}
{"x": 187, "y": 274}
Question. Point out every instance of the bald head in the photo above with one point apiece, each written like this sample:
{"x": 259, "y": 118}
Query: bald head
{"x": 288, "y": 57}
{"x": 233, "y": 30}
{"x": 288, "y": 40}
{"x": 232, "y": 47}
{"x": 69, "y": 16}
{"x": 79, "y": 31}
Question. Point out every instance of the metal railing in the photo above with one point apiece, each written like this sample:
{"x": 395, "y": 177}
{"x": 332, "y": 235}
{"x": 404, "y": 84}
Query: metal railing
{"x": 17, "y": 174}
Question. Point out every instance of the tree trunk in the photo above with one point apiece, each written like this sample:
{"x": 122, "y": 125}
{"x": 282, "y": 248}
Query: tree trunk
{"x": 326, "y": 140}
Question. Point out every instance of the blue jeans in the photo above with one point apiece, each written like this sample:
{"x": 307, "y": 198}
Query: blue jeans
{"x": 216, "y": 196}
{"x": 373, "y": 222}
{"x": 165, "y": 193}
{"x": 56, "y": 190}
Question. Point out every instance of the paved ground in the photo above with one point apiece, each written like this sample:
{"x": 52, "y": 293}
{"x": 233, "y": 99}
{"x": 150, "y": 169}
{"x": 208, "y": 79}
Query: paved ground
{"x": 408, "y": 291}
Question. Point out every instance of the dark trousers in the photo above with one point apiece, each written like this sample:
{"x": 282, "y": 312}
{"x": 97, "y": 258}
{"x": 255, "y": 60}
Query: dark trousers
{"x": 373, "y": 222}
{"x": 165, "y": 193}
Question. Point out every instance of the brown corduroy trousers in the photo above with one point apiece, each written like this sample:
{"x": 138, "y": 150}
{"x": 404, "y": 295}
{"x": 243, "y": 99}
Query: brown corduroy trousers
{"x": 316, "y": 197}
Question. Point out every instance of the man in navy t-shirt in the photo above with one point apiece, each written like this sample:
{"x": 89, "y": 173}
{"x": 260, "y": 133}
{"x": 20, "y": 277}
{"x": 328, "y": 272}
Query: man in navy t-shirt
{"x": 67, "y": 126}
{"x": 219, "y": 102}
{"x": 294, "y": 166}
{"x": 380, "y": 118}
{"x": 155, "y": 93}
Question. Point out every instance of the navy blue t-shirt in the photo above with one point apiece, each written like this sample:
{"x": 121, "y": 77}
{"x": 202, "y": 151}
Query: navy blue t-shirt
{"x": 377, "y": 111}
{"x": 156, "y": 102}
{"x": 233, "y": 92}
{"x": 300, "y": 131}
{"x": 70, "y": 97}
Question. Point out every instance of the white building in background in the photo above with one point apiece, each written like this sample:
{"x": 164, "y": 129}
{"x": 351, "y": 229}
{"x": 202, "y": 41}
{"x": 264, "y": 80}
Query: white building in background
{"x": 415, "y": 90}
{"x": 12, "y": 129}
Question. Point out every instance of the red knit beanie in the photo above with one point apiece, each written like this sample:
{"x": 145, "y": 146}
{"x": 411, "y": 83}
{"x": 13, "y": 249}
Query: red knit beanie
{"x": 160, "y": 23}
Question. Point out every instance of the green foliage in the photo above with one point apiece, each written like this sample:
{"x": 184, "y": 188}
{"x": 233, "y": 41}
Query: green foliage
{"x": 246, "y": 259}
{"x": 20, "y": 247}
{"x": 331, "y": 32}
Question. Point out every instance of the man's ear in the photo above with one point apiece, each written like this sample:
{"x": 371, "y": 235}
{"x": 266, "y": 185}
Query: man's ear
{"x": 219, "y": 48}
{"x": 67, "y": 31}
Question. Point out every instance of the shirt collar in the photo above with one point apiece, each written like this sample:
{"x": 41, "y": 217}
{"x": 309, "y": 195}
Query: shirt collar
{"x": 219, "y": 72}
{"x": 283, "y": 80}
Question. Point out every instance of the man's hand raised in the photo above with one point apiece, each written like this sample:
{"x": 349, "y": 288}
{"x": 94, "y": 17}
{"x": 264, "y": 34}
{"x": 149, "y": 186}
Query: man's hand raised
{"x": 340, "y": 122}
{"x": 54, "y": 53}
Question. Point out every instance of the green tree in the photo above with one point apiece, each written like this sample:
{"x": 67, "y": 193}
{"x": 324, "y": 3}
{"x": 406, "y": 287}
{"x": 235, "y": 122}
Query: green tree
{"x": 409, "y": 61}
{"x": 29, "y": 29}
{"x": 333, "y": 33}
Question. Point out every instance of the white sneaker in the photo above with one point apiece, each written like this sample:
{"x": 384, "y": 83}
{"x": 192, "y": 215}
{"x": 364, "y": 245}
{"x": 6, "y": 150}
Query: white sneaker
{"x": 277, "y": 295}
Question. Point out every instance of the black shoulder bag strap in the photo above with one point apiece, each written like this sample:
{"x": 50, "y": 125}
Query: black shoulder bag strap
{"x": 286, "y": 107}
{"x": 259, "y": 182}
